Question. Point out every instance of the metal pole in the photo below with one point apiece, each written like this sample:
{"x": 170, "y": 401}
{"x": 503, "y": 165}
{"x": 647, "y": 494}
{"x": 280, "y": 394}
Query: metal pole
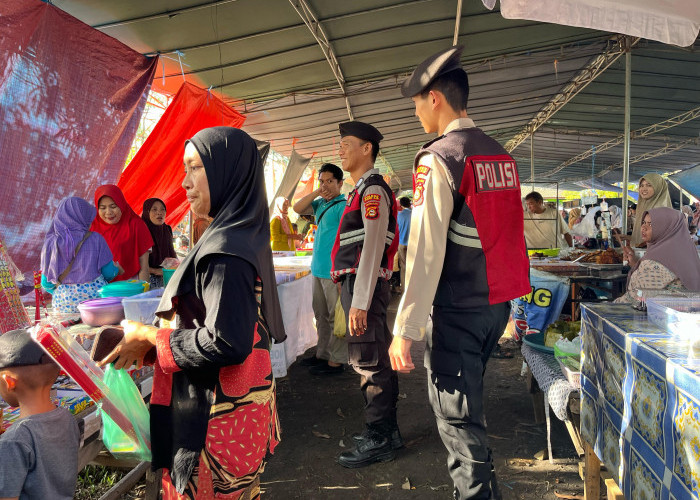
{"x": 459, "y": 17}
{"x": 626, "y": 159}
{"x": 532, "y": 159}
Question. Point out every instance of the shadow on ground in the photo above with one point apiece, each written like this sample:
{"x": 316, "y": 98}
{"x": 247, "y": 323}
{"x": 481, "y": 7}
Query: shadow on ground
{"x": 319, "y": 414}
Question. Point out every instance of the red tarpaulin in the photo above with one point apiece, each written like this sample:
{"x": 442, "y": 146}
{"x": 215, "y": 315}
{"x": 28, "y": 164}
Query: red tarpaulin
{"x": 156, "y": 171}
{"x": 71, "y": 99}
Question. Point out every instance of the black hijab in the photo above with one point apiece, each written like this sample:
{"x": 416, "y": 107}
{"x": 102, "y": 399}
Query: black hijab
{"x": 162, "y": 236}
{"x": 240, "y": 226}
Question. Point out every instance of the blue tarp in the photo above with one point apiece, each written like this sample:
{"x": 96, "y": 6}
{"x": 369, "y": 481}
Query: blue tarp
{"x": 689, "y": 180}
{"x": 604, "y": 186}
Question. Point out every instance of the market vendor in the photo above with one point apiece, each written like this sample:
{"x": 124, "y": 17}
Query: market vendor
{"x": 542, "y": 223}
{"x": 214, "y": 371}
{"x": 283, "y": 237}
{"x": 153, "y": 214}
{"x": 671, "y": 261}
{"x": 127, "y": 235}
{"x": 653, "y": 192}
{"x": 75, "y": 262}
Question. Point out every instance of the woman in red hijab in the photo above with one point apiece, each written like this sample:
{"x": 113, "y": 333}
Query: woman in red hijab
{"x": 126, "y": 233}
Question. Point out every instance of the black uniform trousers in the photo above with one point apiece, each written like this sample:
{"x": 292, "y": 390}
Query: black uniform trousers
{"x": 368, "y": 354}
{"x": 456, "y": 356}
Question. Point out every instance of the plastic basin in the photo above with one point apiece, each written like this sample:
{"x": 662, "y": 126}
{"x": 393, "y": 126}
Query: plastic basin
{"x": 100, "y": 312}
{"x": 124, "y": 288}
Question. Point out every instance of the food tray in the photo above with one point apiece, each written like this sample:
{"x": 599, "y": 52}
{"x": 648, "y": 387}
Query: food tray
{"x": 536, "y": 341}
{"x": 678, "y": 315}
{"x": 607, "y": 267}
{"x": 573, "y": 376}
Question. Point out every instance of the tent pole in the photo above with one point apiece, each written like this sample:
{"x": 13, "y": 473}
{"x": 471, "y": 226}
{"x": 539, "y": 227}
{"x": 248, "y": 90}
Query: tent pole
{"x": 459, "y": 17}
{"x": 626, "y": 160}
{"x": 532, "y": 159}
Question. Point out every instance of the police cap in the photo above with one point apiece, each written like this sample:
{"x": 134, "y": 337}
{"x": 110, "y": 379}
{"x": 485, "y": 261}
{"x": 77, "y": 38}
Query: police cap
{"x": 426, "y": 72}
{"x": 361, "y": 130}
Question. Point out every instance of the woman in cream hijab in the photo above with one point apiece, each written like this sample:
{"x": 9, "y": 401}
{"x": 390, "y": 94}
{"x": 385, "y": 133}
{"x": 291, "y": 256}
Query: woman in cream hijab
{"x": 653, "y": 193}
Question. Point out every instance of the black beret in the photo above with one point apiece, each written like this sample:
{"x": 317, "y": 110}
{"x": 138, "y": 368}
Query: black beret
{"x": 438, "y": 64}
{"x": 361, "y": 130}
{"x": 18, "y": 349}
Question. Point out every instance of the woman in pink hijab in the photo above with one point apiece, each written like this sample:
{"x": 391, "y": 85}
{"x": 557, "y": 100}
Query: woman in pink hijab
{"x": 671, "y": 261}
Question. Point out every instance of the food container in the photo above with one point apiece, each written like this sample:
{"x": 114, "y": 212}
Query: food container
{"x": 142, "y": 307}
{"x": 99, "y": 312}
{"x": 571, "y": 374}
{"x": 547, "y": 252}
{"x": 124, "y": 288}
{"x": 678, "y": 315}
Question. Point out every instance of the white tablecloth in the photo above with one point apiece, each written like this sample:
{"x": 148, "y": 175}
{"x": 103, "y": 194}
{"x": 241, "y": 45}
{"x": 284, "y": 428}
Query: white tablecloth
{"x": 295, "y": 301}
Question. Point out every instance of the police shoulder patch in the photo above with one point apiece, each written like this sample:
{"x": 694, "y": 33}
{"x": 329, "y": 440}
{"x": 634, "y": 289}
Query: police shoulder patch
{"x": 371, "y": 202}
{"x": 419, "y": 179}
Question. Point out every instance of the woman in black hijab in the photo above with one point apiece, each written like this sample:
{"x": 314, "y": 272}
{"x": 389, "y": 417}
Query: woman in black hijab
{"x": 153, "y": 214}
{"x": 213, "y": 410}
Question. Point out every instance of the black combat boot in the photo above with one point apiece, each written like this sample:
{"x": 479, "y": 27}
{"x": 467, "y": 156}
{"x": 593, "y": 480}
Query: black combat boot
{"x": 394, "y": 438}
{"x": 371, "y": 446}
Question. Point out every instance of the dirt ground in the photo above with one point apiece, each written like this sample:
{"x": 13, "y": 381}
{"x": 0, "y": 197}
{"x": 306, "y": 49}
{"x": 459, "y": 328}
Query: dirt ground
{"x": 319, "y": 414}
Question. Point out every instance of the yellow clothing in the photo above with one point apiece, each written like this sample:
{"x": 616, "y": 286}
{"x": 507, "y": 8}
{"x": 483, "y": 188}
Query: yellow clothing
{"x": 278, "y": 238}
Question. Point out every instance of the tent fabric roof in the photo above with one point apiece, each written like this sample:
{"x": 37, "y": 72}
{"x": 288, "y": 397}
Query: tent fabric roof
{"x": 263, "y": 59}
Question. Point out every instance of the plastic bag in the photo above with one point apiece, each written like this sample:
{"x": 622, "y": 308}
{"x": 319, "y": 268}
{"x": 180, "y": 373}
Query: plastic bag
{"x": 120, "y": 444}
{"x": 170, "y": 263}
{"x": 340, "y": 326}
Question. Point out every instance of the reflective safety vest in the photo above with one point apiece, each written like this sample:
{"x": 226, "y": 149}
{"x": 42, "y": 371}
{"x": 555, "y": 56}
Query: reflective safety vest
{"x": 485, "y": 259}
{"x": 351, "y": 233}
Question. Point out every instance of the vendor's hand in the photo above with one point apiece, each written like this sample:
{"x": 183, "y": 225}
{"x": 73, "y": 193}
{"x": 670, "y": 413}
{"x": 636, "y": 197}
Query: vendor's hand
{"x": 357, "y": 321}
{"x": 298, "y": 237}
{"x": 400, "y": 355}
{"x": 120, "y": 269}
{"x": 138, "y": 340}
{"x": 622, "y": 239}
{"x": 156, "y": 271}
{"x": 629, "y": 256}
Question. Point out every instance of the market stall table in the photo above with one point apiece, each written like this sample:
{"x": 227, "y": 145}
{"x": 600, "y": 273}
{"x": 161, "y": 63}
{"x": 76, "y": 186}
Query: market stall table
{"x": 294, "y": 290}
{"x": 640, "y": 405}
{"x": 607, "y": 280}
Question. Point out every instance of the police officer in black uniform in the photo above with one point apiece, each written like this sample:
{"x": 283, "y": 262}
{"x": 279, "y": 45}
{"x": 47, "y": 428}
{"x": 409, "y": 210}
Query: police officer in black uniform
{"x": 363, "y": 257}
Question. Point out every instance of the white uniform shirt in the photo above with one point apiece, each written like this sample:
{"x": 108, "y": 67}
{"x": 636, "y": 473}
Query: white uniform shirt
{"x": 375, "y": 218}
{"x": 433, "y": 207}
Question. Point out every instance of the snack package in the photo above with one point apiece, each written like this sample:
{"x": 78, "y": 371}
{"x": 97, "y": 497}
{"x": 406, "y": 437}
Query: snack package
{"x": 170, "y": 263}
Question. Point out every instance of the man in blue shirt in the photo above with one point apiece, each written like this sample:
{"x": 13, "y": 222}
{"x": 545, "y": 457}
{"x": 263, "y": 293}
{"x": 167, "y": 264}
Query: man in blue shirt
{"x": 328, "y": 205}
{"x": 404, "y": 220}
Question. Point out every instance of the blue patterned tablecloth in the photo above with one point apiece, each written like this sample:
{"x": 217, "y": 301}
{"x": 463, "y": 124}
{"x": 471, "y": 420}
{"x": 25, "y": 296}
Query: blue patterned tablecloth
{"x": 640, "y": 403}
